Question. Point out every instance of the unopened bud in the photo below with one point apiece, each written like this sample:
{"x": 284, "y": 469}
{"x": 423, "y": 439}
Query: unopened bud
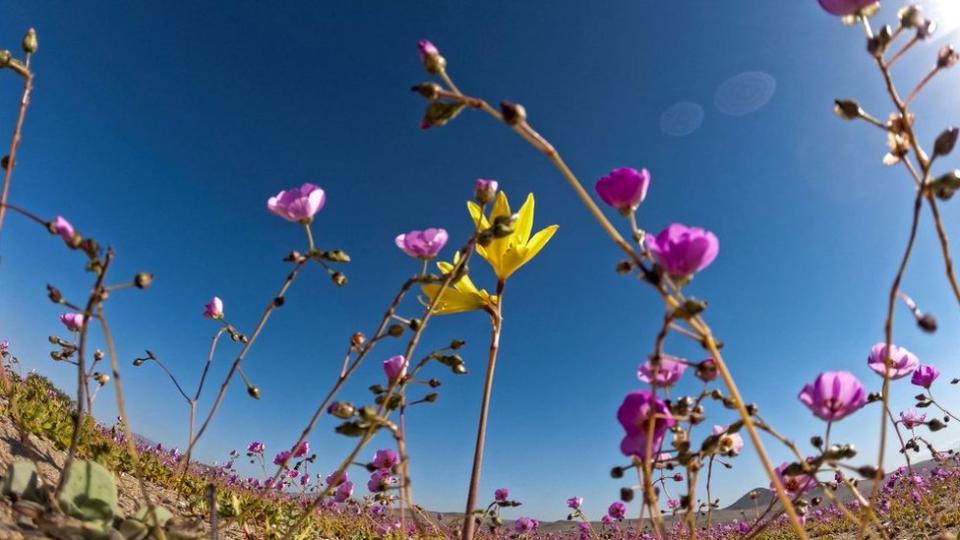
{"x": 137, "y": 362}
{"x": 847, "y": 109}
{"x": 430, "y": 56}
{"x": 98, "y": 355}
{"x": 433, "y": 383}
{"x": 29, "y": 43}
{"x": 626, "y": 494}
{"x": 485, "y": 191}
{"x": 429, "y": 90}
{"x": 616, "y": 472}
{"x": 395, "y": 330}
{"x": 459, "y": 369}
{"x": 910, "y": 16}
{"x": 945, "y": 142}
{"x": 927, "y": 323}
{"x": 457, "y": 343}
{"x": 338, "y": 279}
{"x": 415, "y": 324}
{"x": 5, "y": 58}
{"x": 867, "y": 471}
{"x": 430, "y": 398}
{"x": 253, "y": 391}
{"x": 101, "y": 378}
{"x": 5, "y": 162}
{"x": 341, "y": 409}
{"x": 624, "y": 267}
{"x": 513, "y": 113}
{"x": 947, "y": 57}
{"x": 143, "y": 280}
{"x": 357, "y": 339}
{"x": 707, "y": 370}
{"x": 54, "y": 294}
{"x": 503, "y": 226}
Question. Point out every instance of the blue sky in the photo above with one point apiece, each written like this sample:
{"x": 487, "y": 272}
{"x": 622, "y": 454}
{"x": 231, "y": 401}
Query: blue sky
{"x": 162, "y": 130}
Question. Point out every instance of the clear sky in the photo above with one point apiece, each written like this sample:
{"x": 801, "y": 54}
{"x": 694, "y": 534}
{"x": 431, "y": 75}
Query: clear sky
{"x": 163, "y": 128}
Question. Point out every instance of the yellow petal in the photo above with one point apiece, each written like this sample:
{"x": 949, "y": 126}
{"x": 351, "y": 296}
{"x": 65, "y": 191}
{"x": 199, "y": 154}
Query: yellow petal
{"x": 501, "y": 207}
{"x": 539, "y": 240}
{"x": 476, "y": 212}
{"x": 453, "y": 301}
{"x": 524, "y": 223}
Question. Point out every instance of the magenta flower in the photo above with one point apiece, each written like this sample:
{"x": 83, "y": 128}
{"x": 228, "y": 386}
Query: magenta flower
{"x": 281, "y": 457}
{"x": 336, "y": 480}
{"x": 385, "y": 459}
{"x": 574, "y": 502}
{"x": 902, "y": 361}
{"x": 380, "y": 480}
{"x": 424, "y": 244}
{"x": 682, "y": 251}
{"x": 4, "y": 346}
{"x": 501, "y": 494}
{"x": 617, "y": 510}
{"x": 673, "y": 504}
{"x": 707, "y": 370}
{"x": 834, "y": 395}
{"x": 302, "y": 450}
{"x": 624, "y": 188}
{"x": 526, "y": 524}
{"x": 343, "y": 492}
{"x": 634, "y": 414}
{"x": 730, "y": 443}
{"x": 73, "y": 321}
{"x": 911, "y": 419}
{"x": 485, "y": 191}
{"x": 256, "y": 447}
{"x": 794, "y": 485}
{"x": 298, "y": 204}
{"x": 429, "y": 56}
{"x": 924, "y": 376}
{"x": 63, "y": 228}
{"x": 213, "y": 309}
{"x": 668, "y": 372}
{"x": 844, "y": 7}
{"x": 395, "y": 367}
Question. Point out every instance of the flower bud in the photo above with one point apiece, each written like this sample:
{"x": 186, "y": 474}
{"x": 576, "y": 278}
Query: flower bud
{"x": 945, "y": 142}
{"x": 616, "y": 472}
{"x": 253, "y": 391}
{"x": 707, "y": 370}
{"x": 357, "y": 339}
{"x": 513, "y": 113}
{"x": 430, "y": 56}
{"x": 338, "y": 279}
{"x": 98, "y": 355}
{"x": 947, "y": 57}
{"x": 624, "y": 267}
{"x": 137, "y": 362}
{"x": 5, "y": 58}
{"x": 626, "y": 494}
{"x": 485, "y": 191}
{"x": 101, "y": 378}
{"x": 867, "y": 471}
{"x": 29, "y": 43}
{"x": 5, "y": 162}
{"x": 927, "y": 323}
{"x": 847, "y": 109}
{"x": 433, "y": 383}
{"x": 457, "y": 343}
{"x": 430, "y": 398}
{"x": 54, "y": 294}
{"x": 395, "y": 330}
{"x": 143, "y": 280}
{"x": 503, "y": 226}
{"x": 429, "y": 90}
{"x": 341, "y": 409}
{"x": 415, "y": 324}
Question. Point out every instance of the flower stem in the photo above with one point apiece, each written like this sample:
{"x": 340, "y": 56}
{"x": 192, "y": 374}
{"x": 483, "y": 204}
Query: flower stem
{"x": 15, "y": 141}
{"x": 469, "y": 525}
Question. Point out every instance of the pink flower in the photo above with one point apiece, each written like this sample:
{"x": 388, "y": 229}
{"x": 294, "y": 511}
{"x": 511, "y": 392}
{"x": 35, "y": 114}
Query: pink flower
{"x": 662, "y": 460}
{"x": 834, "y": 395}
{"x": 385, "y": 459}
{"x": 673, "y": 504}
{"x": 424, "y": 244}
{"x": 730, "y": 443}
{"x": 634, "y": 414}
{"x": 682, "y": 251}
{"x": 430, "y": 56}
{"x": 794, "y": 485}
{"x": 73, "y": 321}
{"x": 911, "y": 419}
{"x": 213, "y": 309}
{"x": 343, "y": 492}
{"x": 844, "y": 7}
{"x": 395, "y": 367}
{"x": 668, "y": 372}
{"x": 617, "y": 510}
{"x": 336, "y": 480}
{"x": 379, "y": 480}
{"x": 624, "y": 188}
{"x": 501, "y": 494}
{"x": 63, "y": 228}
{"x": 924, "y": 376}
{"x": 902, "y": 361}
{"x": 485, "y": 191}
{"x": 256, "y": 447}
{"x": 302, "y": 450}
{"x": 281, "y": 457}
{"x": 298, "y": 204}
{"x": 526, "y": 524}
{"x": 574, "y": 502}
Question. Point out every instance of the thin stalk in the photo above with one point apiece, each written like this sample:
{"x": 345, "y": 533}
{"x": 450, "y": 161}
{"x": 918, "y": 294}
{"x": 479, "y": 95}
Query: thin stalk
{"x": 469, "y": 525}
{"x": 15, "y": 140}
{"x": 944, "y": 246}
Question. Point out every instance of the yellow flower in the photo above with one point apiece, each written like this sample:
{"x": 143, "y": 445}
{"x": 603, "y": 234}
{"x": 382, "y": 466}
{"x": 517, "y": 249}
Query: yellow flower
{"x": 460, "y": 296}
{"x": 508, "y": 254}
